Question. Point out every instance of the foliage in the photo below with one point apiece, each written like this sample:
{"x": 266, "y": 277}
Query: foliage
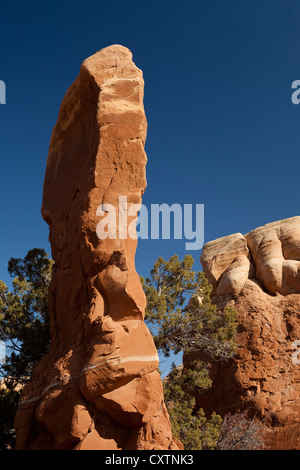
{"x": 24, "y": 327}
{"x": 24, "y": 321}
{"x": 8, "y": 406}
{"x": 178, "y": 325}
{"x": 182, "y": 318}
{"x": 240, "y": 432}
{"x": 190, "y": 424}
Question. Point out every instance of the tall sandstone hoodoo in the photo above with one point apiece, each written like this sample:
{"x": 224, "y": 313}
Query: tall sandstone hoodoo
{"x": 98, "y": 387}
{"x": 259, "y": 275}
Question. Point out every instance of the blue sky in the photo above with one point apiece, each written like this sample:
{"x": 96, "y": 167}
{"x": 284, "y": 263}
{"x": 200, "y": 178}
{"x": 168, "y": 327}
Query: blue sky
{"x": 222, "y": 128}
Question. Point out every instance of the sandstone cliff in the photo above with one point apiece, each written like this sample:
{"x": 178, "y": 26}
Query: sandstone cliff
{"x": 98, "y": 387}
{"x": 259, "y": 275}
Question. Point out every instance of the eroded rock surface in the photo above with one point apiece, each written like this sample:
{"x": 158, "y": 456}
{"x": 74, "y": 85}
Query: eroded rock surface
{"x": 259, "y": 275}
{"x": 98, "y": 387}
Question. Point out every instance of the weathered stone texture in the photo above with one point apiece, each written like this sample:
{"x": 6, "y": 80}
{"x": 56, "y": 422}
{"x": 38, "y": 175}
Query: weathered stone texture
{"x": 258, "y": 274}
{"x": 98, "y": 387}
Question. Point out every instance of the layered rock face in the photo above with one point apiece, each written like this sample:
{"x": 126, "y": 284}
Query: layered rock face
{"x": 98, "y": 387}
{"x": 259, "y": 275}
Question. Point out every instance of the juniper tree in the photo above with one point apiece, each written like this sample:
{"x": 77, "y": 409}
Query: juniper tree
{"x": 24, "y": 327}
{"x": 182, "y": 318}
{"x": 189, "y": 423}
{"x": 180, "y": 314}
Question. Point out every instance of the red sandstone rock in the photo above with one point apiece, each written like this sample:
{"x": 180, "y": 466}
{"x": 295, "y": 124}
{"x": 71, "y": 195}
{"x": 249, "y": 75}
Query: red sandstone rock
{"x": 258, "y": 275}
{"x": 98, "y": 387}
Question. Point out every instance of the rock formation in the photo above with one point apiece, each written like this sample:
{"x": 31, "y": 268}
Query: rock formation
{"x": 98, "y": 387}
{"x": 259, "y": 275}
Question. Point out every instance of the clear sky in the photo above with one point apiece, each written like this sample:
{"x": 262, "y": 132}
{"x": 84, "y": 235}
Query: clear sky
{"x": 222, "y": 127}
